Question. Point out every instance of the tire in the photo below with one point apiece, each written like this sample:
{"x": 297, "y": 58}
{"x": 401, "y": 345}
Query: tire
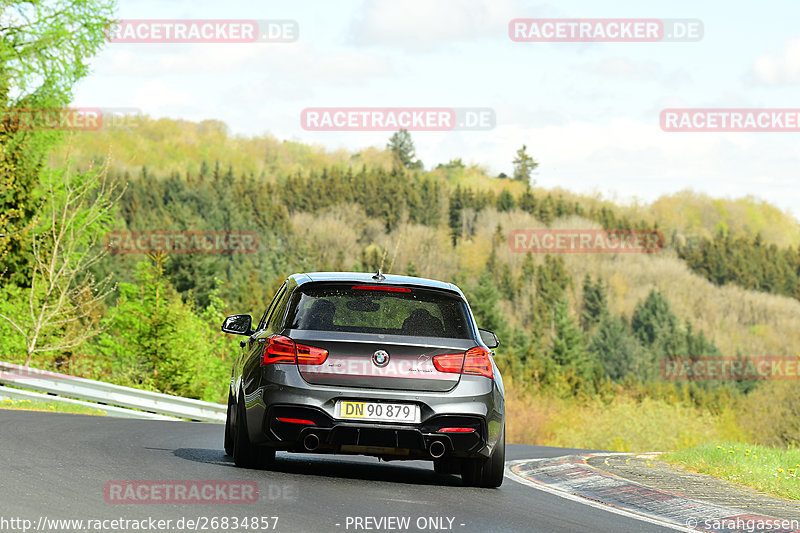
{"x": 486, "y": 473}
{"x": 229, "y": 427}
{"x": 245, "y": 455}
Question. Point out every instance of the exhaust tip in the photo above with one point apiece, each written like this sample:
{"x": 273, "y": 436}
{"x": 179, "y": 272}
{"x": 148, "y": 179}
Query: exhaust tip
{"x": 311, "y": 442}
{"x": 437, "y": 449}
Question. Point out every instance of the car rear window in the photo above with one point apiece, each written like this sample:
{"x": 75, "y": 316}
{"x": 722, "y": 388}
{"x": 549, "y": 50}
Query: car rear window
{"x": 387, "y": 310}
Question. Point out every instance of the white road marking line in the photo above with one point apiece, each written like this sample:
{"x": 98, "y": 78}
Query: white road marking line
{"x": 569, "y": 496}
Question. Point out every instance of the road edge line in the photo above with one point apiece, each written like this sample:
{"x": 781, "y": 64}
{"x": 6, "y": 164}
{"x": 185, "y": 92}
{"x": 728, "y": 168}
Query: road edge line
{"x": 591, "y": 503}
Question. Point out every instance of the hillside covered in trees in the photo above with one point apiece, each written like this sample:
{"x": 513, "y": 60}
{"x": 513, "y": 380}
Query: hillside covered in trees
{"x": 576, "y": 329}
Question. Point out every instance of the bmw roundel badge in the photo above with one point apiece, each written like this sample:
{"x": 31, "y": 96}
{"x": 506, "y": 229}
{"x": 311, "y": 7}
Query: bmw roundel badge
{"x": 380, "y": 358}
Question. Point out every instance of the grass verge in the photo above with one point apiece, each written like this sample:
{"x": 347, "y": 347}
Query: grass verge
{"x": 51, "y": 407}
{"x": 621, "y": 424}
{"x": 770, "y": 470}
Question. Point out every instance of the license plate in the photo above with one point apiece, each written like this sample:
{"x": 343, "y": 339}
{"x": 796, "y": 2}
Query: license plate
{"x": 378, "y": 411}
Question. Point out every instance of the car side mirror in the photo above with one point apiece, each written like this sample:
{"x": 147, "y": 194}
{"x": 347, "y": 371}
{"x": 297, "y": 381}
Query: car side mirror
{"x": 489, "y": 338}
{"x": 238, "y": 325}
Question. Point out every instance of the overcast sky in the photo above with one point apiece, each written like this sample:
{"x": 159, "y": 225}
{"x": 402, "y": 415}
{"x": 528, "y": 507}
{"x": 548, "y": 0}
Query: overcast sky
{"x": 588, "y": 112}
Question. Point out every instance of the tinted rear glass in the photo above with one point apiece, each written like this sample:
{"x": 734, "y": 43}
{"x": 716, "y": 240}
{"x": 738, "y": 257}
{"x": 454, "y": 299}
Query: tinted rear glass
{"x": 418, "y": 312}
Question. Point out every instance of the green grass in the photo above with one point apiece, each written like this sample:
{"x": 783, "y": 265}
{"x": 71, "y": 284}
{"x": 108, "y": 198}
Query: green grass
{"x": 774, "y": 471}
{"x": 51, "y": 407}
{"x": 626, "y": 424}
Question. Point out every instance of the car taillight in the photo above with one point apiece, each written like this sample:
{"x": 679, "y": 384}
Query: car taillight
{"x": 381, "y": 288}
{"x": 477, "y": 362}
{"x": 280, "y": 349}
{"x": 449, "y": 362}
{"x": 474, "y": 362}
{"x": 310, "y": 355}
{"x": 456, "y": 430}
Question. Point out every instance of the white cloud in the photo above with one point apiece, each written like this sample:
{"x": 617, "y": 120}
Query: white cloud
{"x": 778, "y": 69}
{"x": 616, "y": 67}
{"x": 624, "y": 69}
{"x": 288, "y": 61}
{"x": 632, "y": 159}
{"x": 420, "y": 25}
{"x": 155, "y": 97}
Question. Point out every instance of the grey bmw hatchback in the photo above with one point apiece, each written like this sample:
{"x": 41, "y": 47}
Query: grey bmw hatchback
{"x": 383, "y": 365}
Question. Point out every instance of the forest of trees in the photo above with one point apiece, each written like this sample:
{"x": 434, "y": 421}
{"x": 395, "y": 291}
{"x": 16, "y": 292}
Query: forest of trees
{"x": 550, "y": 346}
{"x": 159, "y": 328}
{"x": 574, "y": 329}
{"x": 746, "y": 261}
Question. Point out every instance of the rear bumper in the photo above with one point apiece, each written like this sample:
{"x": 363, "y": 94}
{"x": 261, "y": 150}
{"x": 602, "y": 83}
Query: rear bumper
{"x": 336, "y": 436}
{"x": 476, "y": 402}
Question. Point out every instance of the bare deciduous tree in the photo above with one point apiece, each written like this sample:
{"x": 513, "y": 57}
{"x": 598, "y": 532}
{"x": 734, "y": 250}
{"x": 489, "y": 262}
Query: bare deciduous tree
{"x": 64, "y": 296}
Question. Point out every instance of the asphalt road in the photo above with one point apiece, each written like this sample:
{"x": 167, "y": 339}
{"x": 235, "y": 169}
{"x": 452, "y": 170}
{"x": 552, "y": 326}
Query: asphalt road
{"x": 57, "y": 466}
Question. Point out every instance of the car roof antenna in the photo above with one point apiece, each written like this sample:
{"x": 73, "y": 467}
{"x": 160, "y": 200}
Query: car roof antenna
{"x": 379, "y": 276}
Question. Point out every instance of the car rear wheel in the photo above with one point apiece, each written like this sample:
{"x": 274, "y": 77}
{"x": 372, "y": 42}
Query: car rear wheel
{"x": 229, "y": 427}
{"x": 486, "y": 473}
{"x": 245, "y": 455}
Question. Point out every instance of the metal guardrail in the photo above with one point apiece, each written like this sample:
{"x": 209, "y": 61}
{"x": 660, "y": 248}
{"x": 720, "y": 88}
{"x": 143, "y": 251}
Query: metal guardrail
{"x": 110, "y": 410}
{"x": 114, "y": 396}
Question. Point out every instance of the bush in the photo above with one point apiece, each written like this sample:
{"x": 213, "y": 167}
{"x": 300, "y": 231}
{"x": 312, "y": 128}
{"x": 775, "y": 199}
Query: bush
{"x": 627, "y": 425}
{"x": 772, "y": 414}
